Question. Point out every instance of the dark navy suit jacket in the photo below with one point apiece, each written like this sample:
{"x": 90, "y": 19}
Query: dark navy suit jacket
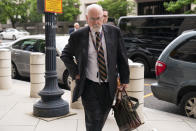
{"x": 116, "y": 58}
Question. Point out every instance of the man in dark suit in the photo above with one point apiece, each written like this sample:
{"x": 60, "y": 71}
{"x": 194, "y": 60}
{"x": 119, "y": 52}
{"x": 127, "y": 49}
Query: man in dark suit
{"x": 100, "y": 57}
{"x": 76, "y": 27}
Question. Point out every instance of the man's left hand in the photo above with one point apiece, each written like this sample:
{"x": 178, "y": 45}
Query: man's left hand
{"x": 122, "y": 86}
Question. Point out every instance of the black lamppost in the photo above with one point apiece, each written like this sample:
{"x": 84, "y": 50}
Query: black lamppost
{"x": 51, "y": 103}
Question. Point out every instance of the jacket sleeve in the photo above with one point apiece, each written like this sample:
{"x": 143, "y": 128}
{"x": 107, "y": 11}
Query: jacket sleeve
{"x": 67, "y": 57}
{"x": 122, "y": 61}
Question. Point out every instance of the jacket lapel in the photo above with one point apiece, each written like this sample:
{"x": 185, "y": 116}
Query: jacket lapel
{"x": 108, "y": 43}
{"x": 85, "y": 42}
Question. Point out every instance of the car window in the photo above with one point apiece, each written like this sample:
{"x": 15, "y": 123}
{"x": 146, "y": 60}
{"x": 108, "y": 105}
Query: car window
{"x": 8, "y": 30}
{"x": 148, "y": 27}
{"x": 28, "y": 45}
{"x": 18, "y": 44}
{"x": 40, "y": 46}
{"x": 186, "y": 51}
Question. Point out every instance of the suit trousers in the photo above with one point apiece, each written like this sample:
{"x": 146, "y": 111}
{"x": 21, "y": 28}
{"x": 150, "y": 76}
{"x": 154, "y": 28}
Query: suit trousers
{"x": 97, "y": 104}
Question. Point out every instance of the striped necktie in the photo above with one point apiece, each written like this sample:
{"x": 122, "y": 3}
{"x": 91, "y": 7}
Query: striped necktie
{"x": 100, "y": 58}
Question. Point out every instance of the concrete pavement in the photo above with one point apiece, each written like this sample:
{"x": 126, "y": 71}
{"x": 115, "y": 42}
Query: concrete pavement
{"x": 16, "y": 109}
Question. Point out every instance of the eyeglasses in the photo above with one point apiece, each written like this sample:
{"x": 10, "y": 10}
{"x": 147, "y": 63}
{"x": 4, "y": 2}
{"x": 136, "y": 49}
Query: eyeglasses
{"x": 105, "y": 16}
{"x": 95, "y": 19}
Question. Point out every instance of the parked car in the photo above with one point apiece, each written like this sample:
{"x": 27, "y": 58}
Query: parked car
{"x": 5, "y": 44}
{"x": 14, "y": 34}
{"x": 145, "y": 37}
{"x": 23, "y": 47}
{"x": 175, "y": 74}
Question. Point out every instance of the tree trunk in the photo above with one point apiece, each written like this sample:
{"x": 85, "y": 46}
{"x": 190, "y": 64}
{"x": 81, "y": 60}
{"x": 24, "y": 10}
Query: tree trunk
{"x": 13, "y": 23}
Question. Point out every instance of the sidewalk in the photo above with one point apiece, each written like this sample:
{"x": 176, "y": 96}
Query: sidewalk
{"x": 16, "y": 109}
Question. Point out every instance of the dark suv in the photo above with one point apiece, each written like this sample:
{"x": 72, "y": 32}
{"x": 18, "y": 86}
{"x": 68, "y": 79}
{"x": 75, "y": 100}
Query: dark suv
{"x": 145, "y": 37}
{"x": 176, "y": 74}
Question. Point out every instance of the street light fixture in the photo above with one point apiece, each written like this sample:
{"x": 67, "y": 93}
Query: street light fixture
{"x": 51, "y": 103}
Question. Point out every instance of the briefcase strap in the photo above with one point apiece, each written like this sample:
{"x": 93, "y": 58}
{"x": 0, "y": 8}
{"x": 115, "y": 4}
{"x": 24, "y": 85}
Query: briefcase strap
{"x": 123, "y": 93}
{"x": 135, "y": 106}
{"x": 130, "y": 98}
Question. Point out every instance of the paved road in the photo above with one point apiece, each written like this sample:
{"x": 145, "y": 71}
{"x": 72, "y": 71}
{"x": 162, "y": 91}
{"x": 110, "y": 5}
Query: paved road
{"x": 152, "y": 102}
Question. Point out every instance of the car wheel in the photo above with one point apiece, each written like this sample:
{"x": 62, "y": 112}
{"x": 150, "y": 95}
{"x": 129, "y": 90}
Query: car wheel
{"x": 67, "y": 80}
{"x": 15, "y": 73}
{"x": 14, "y": 37}
{"x": 144, "y": 62}
{"x": 188, "y": 105}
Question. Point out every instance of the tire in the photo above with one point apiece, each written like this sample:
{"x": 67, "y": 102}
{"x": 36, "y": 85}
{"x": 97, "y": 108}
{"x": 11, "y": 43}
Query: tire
{"x": 145, "y": 63}
{"x": 15, "y": 73}
{"x": 67, "y": 80}
{"x": 188, "y": 104}
{"x": 14, "y": 37}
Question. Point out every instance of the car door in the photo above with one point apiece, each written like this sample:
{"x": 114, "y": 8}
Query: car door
{"x": 21, "y": 55}
{"x": 60, "y": 67}
{"x": 16, "y": 56}
{"x": 38, "y": 45}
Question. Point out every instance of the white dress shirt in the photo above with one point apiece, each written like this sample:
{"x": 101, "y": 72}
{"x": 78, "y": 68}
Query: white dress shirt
{"x": 92, "y": 70}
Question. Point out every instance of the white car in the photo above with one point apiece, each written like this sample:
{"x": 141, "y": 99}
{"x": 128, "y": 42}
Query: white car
{"x": 23, "y": 47}
{"x": 14, "y": 34}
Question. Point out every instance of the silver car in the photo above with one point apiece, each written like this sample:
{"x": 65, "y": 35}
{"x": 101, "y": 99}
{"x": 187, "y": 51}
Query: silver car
{"x": 23, "y": 47}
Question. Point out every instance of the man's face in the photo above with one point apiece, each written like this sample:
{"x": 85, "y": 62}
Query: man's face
{"x": 77, "y": 26}
{"x": 95, "y": 19}
{"x": 105, "y": 17}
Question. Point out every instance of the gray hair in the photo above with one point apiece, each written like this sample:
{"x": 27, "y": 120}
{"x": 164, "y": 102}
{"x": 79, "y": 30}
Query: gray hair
{"x": 95, "y": 6}
{"x": 76, "y": 23}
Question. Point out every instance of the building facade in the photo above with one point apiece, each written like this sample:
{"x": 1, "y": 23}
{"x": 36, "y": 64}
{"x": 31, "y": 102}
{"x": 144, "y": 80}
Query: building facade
{"x": 156, "y": 7}
{"x": 142, "y": 7}
{"x": 85, "y": 3}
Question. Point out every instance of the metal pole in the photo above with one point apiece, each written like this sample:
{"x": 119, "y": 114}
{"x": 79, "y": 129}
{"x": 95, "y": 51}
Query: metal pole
{"x": 51, "y": 103}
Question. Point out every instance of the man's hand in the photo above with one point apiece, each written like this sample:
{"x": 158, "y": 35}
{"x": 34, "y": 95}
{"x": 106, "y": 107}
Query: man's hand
{"x": 122, "y": 86}
{"x": 77, "y": 77}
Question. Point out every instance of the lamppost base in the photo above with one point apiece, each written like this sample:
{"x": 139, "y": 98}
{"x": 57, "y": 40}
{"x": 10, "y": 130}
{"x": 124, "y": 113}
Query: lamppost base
{"x": 51, "y": 108}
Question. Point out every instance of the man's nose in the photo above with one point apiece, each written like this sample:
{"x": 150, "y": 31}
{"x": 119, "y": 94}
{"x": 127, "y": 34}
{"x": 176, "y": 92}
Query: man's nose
{"x": 96, "y": 21}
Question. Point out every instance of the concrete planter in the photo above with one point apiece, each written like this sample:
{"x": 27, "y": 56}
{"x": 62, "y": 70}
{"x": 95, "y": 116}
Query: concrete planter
{"x": 35, "y": 89}
{"x": 136, "y": 86}
{"x": 37, "y": 72}
{"x": 5, "y": 63}
{"x": 37, "y": 58}
{"x": 37, "y": 78}
{"x": 5, "y": 69}
{"x": 140, "y": 112}
{"x": 136, "y": 71}
{"x": 37, "y": 69}
{"x": 5, "y": 82}
{"x": 5, "y": 54}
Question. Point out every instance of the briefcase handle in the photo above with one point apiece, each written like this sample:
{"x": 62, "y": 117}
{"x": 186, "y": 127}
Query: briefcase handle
{"x": 130, "y": 98}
